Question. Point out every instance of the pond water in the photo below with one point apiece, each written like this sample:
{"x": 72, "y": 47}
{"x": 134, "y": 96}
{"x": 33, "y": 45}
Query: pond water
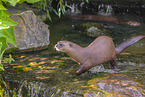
{"x": 49, "y": 73}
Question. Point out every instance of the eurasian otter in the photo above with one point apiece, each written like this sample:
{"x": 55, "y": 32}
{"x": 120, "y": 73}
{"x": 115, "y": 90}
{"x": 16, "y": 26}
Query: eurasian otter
{"x": 107, "y": 19}
{"x": 101, "y": 50}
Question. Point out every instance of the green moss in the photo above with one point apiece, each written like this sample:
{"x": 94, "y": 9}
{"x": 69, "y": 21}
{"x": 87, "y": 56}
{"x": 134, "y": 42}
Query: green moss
{"x": 11, "y": 50}
{"x": 92, "y": 29}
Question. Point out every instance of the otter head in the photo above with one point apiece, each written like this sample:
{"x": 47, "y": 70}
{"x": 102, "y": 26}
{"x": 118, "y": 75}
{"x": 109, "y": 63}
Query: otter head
{"x": 133, "y": 23}
{"x": 63, "y": 46}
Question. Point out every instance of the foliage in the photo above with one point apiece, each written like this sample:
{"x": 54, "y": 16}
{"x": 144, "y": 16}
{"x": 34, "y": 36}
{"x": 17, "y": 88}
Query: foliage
{"x": 45, "y": 5}
{"x": 60, "y": 10}
{"x": 6, "y": 27}
{"x": 9, "y": 60}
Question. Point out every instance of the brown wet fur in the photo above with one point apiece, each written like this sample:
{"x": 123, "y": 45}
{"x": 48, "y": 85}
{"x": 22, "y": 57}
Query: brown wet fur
{"x": 101, "y": 50}
{"x": 107, "y": 19}
{"x": 92, "y": 55}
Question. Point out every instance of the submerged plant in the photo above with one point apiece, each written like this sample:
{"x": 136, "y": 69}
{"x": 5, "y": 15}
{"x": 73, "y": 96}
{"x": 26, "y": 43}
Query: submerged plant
{"x": 9, "y": 60}
{"x": 6, "y": 27}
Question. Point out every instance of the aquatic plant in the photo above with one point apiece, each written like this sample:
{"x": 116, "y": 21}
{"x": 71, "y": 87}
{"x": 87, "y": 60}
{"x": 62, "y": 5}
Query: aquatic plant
{"x": 6, "y": 27}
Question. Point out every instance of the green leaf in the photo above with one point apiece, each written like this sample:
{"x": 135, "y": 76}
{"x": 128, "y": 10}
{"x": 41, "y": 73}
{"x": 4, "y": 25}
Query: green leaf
{"x": 9, "y": 60}
{"x": 1, "y": 44}
{"x": 48, "y": 15}
{"x": 4, "y": 45}
{"x": 1, "y": 67}
{"x": 56, "y": 12}
{"x": 13, "y": 2}
{"x": 68, "y": 6}
{"x": 4, "y": 13}
{"x": 63, "y": 9}
{"x": 5, "y": 21}
{"x": 32, "y": 1}
{"x": 21, "y": 1}
{"x": 87, "y": 1}
{"x": 2, "y": 7}
{"x": 9, "y": 35}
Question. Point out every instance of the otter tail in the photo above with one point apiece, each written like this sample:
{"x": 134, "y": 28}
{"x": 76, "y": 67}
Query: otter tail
{"x": 128, "y": 42}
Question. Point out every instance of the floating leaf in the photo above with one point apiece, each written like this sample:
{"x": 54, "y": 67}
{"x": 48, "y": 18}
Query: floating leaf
{"x": 125, "y": 53}
{"x": 42, "y": 77}
{"x": 56, "y": 61}
{"x": 22, "y": 56}
{"x": 42, "y": 62}
{"x": 47, "y": 67}
{"x": 40, "y": 67}
{"x": 25, "y": 69}
{"x": 33, "y": 64}
{"x": 17, "y": 66}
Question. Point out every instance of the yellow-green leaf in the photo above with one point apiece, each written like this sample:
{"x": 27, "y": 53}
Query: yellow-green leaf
{"x": 1, "y": 67}
{"x": 9, "y": 35}
{"x": 32, "y": 1}
{"x": 2, "y": 7}
{"x": 13, "y": 2}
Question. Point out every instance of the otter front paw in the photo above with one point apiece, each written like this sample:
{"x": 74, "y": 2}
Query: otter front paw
{"x": 83, "y": 69}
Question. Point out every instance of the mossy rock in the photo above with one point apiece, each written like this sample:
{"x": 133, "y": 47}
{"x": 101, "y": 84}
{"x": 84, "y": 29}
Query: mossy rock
{"x": 17, "y": 50}
{"x": 114, "y": 85}
{"x": 92, "y": 29}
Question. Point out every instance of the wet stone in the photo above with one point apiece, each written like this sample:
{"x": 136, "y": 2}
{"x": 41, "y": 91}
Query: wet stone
{"x": 117, "y": 85}
{"x": 92, "y": 29}
{"x": 31, "y": 34}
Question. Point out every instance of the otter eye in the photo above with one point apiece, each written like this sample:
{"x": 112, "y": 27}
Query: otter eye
{"x": 70, "y": 45}
{"x": 60, "y": 44}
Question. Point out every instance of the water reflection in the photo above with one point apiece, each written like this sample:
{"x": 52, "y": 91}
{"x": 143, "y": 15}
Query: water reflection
{"x": 53, "y": 75}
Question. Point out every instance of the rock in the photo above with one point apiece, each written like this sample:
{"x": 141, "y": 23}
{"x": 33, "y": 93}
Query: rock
{"x": 92, "y": 29}
{"x": 30, "y": 33}
{"x": 41, "y": 15}
{"x": 115, "y": 85}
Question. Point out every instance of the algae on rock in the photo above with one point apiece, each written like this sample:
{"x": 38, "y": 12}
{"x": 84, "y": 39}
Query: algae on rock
{"x": 92, "y": 29}
{"x": 30, "y": 33}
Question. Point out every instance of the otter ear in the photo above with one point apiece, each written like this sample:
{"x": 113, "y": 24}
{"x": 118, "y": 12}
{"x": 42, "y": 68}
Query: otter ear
{"x": 70, "y": 45}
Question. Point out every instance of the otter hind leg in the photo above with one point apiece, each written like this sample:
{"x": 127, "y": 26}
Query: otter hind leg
{"x": 113, "y": 64}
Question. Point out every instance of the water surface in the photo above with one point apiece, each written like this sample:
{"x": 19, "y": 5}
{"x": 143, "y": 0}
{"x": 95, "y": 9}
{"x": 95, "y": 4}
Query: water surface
{"x": 49, "y": 73}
